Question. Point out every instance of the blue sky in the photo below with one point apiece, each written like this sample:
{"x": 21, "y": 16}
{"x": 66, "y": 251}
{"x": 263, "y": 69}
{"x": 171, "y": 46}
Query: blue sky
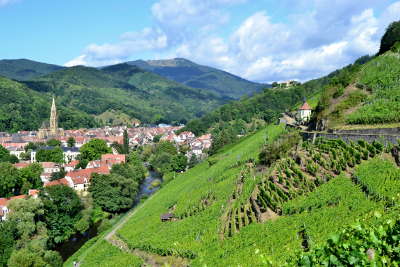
{"x": 261, "y": 40}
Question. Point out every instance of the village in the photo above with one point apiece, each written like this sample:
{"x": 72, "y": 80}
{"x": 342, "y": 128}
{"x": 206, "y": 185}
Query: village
{"x": 78, "y": 178}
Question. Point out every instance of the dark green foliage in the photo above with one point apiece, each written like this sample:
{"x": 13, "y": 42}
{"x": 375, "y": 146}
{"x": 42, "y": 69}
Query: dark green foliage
{"x": 62, "y": 210}
{"x": 141, "y": 95}
{"x": 24, "y": 69}
{"x": 94, "y": 149}
{"x": 9, "y": 180}
{"x": 29, "y": 177}
{"x": 53, "y": 142}
{"x": 50, "y": 155}
{"x": 358, "y": 245}
{"x": 30, "y": 109}
{"x": 71, "y": 142}
{"x": 7, "y": 241}
{"x": 58, "y": 175}
{"x": 4, "y": 155}
{"x": 116, "y": 192}
{"x": 157, "y": 138}
{"x": 166, "y": 158}
{"x": 14, "y": 181}
{"x": 113, "y": 193}
{"x": 391, "y": 36}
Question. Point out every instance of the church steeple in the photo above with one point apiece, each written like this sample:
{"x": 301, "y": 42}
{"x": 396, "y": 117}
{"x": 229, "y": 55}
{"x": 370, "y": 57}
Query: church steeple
{"x": 53, "y": 119}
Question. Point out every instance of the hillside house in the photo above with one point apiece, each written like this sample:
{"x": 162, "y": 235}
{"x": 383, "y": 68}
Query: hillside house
{"x": 304, "y": 113}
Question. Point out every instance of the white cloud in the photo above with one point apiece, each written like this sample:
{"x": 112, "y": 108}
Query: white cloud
{"x": 318, "y": 36}
{"x": 131, "y": 42}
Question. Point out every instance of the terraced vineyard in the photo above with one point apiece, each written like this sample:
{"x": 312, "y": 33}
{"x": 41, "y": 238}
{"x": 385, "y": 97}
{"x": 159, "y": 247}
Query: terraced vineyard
{"x": 304, "y": 169}
{"x": 232, "y": 211}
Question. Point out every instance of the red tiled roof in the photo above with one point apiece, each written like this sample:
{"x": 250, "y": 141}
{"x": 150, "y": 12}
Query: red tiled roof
{"x": 20, "y": 165}
{"x": 62, "y": 181}
{"x": 72, "y": 163}
{"x": 48, "y": 164}
{"x": 305, "y": 106}
{"x": 119, "y": 157}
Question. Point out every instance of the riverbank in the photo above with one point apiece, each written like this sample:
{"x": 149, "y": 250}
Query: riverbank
{"x": 79, "y": 243}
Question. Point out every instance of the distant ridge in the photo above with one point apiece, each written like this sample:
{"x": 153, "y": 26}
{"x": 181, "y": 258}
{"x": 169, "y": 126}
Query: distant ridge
{"x": 25, "y": 69}
{"x": 203, "y": 77}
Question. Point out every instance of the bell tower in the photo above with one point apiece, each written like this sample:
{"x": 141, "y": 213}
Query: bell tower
{"x": 53, "y": 119}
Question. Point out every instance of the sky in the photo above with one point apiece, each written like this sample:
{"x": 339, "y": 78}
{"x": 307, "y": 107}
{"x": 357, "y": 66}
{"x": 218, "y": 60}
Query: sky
{"x": 260, "y": 40}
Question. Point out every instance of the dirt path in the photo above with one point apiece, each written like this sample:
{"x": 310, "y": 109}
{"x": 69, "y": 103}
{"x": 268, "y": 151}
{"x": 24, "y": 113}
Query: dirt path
{"x": 149, "y": 259}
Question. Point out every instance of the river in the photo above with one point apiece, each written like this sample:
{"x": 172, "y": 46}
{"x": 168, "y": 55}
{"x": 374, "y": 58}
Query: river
{"x": 149, "y": 185}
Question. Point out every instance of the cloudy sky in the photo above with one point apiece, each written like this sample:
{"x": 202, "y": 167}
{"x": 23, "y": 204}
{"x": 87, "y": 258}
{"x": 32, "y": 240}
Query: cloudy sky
{"x": 260, "y": 40}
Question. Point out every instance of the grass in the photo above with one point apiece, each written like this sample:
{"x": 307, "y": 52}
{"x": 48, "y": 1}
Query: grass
{"x": 107, "y": 255}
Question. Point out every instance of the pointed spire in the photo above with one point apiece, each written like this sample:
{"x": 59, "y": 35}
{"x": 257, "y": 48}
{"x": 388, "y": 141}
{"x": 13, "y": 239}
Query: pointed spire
{"x": 53, "y": 118}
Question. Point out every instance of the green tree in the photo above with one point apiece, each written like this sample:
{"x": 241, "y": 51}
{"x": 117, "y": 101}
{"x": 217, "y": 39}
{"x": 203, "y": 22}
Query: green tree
{"x": 58, "y": 175}
{"x": 193, "y": 161}
{"x": 30, "y": 177}
{"x": 391, "y": 36}
{"x": 53, "y": 142}
{"x": 157, "y": 138}
{"x": 62, "y": 208}
{"x": 179, "y": 163}
{"x": 94, "y": 149}
{"x": 4, "y": 154}
{"x": 71, "y": 142}
{"x": 50, "y": 155}
{"x": 125, "y": 143}
{"x": 113, "y": 193}
{"x": 9, "y": 180}
{"x": 167, "y": 147}
{"x": 7, "y": 241}
{"x": 31, "y": 235}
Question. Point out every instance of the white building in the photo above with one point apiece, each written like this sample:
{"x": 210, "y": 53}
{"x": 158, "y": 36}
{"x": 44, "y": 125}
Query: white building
{"x": 304, "y": 113}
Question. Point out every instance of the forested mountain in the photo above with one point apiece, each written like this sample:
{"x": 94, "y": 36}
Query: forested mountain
{"x": 191, "y": 74}
{"x": 25, "y": 69}
{"x": 23, "y": 108}
{"x": 83, "y": 93}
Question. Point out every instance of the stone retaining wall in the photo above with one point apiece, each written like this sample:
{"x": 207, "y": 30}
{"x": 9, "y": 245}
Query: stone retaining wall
{"x": 383, "y": 138}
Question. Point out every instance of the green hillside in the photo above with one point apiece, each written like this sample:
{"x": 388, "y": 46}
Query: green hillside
{"x": 139, "y": 94}
{"x": 243, "y": 212}
{"x": 198, "y": 76}
{"x": 367, "y": 95}
{"x": 23, "y": 108}
{"x": 270, "y": 198}
{"x": 24, "y": 69}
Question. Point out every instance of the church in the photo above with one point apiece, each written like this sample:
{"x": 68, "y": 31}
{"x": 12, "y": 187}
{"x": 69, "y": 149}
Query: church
{"x": 52, "y": 130}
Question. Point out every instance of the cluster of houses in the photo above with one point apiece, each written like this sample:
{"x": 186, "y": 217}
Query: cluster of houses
{"x": 79, "y": 179}
{"x": 138, "y": 136}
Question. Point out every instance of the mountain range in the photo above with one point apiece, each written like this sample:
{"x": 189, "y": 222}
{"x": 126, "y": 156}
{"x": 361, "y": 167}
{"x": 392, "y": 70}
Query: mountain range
{"x": 198, "y": 76}
{"x": 84, "y": 94}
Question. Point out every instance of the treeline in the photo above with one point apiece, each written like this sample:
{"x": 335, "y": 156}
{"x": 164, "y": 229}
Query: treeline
{"x": 246, "y": 115}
